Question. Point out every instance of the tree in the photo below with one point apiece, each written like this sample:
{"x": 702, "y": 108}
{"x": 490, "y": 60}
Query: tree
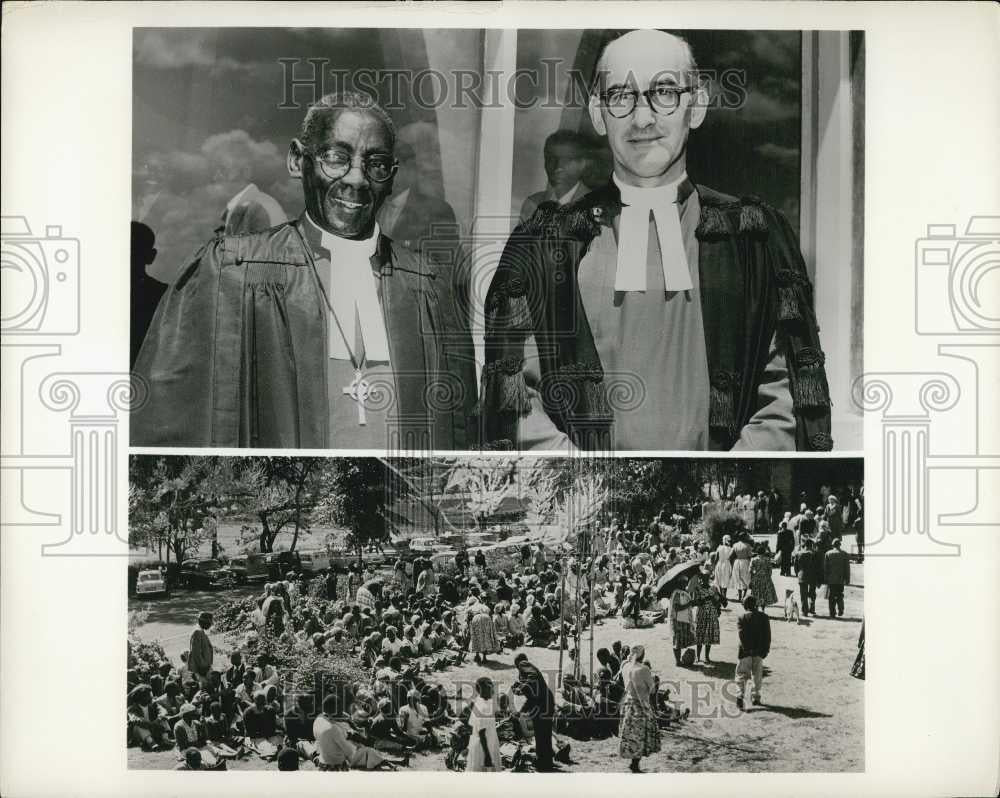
{"x": 280, "y": 492}
{"x": 172, "y": 502}
{"x": 354, "y": 497}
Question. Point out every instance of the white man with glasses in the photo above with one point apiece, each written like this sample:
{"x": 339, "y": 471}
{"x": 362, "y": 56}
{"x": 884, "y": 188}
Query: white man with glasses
{"x": 316, "y": 333}
{"x": 653, "y": 313}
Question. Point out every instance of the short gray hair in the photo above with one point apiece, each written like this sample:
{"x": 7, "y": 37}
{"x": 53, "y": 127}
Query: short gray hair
{"x": 313, "y": 124}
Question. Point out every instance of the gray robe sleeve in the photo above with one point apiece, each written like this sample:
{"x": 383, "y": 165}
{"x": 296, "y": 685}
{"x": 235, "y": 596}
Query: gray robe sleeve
{"x": 772, "y": 426}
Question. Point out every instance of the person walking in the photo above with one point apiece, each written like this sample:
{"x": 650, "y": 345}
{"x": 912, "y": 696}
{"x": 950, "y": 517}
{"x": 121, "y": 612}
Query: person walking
{"x": 755, "y": 644}
{"x": 638, "y": 733}
{"x": 724, "y": 566}
{"x": 785, "y": 545}
{"x": 761, "y": 584}
{"x": 836, "y": 574}
{"x": 742, "y": 552}
{"x": 806, "y": 570}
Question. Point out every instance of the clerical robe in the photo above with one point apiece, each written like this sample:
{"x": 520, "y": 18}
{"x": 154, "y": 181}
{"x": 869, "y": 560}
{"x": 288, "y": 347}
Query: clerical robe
{"x": 570, "y": 361}
{"x": 237, "y": 353}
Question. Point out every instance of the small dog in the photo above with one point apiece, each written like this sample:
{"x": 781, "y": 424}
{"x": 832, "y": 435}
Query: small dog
{"x": 791, "y": 606}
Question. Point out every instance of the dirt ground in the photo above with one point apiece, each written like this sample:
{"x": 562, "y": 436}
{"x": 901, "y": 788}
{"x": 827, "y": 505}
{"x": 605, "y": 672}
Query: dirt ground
{"x": 811, "y": 719}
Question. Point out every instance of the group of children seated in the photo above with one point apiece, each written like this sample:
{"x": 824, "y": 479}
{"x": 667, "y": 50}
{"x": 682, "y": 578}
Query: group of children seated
{"x": 229, "y": 712}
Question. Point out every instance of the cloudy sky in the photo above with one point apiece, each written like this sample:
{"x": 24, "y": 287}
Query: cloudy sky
{"x": 209, "y": 114}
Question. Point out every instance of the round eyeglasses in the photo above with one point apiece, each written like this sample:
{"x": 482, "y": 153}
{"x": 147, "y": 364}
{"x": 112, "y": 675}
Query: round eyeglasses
{"x": 377, "y": 168}
{"x": 621, "y": 102}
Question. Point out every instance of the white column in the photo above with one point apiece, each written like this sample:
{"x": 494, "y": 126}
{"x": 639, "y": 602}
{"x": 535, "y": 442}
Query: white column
{"x": 494, "y": 173}
{"x": 827, "y": 175}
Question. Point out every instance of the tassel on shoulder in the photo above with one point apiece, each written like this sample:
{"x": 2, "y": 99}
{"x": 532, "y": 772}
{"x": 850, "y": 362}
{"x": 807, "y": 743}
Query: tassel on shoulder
{"x": 753, "y": 219}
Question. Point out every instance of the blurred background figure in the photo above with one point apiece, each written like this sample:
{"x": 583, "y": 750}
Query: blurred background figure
{"x": 567, "y": 157}
{"x": 414, "y": 216}
{"x": 248, "y": 209}
{"x": 145, "y": 291}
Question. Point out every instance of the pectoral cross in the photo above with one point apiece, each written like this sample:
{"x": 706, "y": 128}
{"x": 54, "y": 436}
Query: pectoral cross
{"x": 358, "y": 391}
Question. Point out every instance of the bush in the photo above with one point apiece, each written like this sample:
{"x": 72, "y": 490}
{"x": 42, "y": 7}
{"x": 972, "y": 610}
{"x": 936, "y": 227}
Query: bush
{"x": 718, "y": 522}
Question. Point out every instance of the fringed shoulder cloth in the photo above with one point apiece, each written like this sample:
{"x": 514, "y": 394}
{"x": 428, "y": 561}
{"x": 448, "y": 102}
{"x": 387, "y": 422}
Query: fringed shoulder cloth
{"x": 753, "y": 286}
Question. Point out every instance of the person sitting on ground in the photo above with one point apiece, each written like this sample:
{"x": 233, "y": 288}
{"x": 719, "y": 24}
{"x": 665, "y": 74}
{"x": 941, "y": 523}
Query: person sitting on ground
{"x": 335, "y": 748}
{"x": 192, "y": 760}
{"x": 288, "y": 759}
{"x": 391, "y": 643}
{"x": 414, "y": 720}
{"x": 217, "y": 726}
{"x": 538, "y": 631}
{"x": 245, "y": 692}
{"x": 171, "y": 701}
{"x": 189, "y": 731}
{"x": 515, "y": 627}
{"x": 384, "y": 731}
{"x": 146, "y": 719}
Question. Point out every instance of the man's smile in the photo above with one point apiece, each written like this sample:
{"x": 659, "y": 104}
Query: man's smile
{"x": 349, "y": 204}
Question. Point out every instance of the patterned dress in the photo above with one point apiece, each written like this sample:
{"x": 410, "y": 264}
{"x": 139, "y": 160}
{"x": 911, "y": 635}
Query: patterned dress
{"x": 639, "y": 733}
{"x": 761, "y": 586}
{"x": 706, "y": 625}
{"x": 482, "y": 634}
{"x": 680, "y": 620}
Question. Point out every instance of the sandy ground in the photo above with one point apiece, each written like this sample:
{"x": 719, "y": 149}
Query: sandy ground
{"x": 812, "y": 718}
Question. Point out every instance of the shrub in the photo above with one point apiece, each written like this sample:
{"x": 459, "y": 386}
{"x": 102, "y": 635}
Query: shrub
{"x": 718, "y": 522}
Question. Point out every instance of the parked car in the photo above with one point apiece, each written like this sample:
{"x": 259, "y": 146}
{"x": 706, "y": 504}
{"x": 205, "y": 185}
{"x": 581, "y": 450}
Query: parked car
{"x": 249, "y": 568}
{"x": 314, "y": 561}
{"x": 205, "y": 573}
{"x": 151, "y": 583}
{"x": 279, "y": 563}
{"x": 427, "y": 546}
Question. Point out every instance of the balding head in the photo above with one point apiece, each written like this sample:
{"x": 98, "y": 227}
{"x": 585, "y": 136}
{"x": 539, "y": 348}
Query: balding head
{"x": 647, "y": 98}
{"x": 645, "y": 52}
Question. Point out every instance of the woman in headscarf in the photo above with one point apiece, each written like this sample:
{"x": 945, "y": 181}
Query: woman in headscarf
{"x": 761, "y": 585}
{"x": 400, "y": 580}
{"x": 706, "y": 624}
{"x": 484, "y": 745}
{"x": 740, "y": 558}
{"x": 639, "y": 734}
{"x": 482, "y": 635}
{"x": 724, "y": 565}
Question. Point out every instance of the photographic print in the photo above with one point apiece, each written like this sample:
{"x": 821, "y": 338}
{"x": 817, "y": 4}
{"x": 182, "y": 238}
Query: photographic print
{"x": 514, "y": 614}
{"x": 555, "y": 240}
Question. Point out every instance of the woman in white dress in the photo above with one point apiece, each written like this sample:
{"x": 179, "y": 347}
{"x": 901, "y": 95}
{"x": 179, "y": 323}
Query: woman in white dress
{"x": 484, "y": 744}
{"x": 724, "y": 564}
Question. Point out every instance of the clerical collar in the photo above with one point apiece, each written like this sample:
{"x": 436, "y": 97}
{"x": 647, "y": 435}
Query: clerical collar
{"x": 353, "y": 298}
{"x": 638, "y": 202}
